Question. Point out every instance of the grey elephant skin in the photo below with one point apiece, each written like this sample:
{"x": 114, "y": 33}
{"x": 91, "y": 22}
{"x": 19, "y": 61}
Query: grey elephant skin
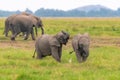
{"x": 80, "y": 44}
{"x": 7, "y": 24}
{"x": 22, "y": 23}
{"x": 47, "y": 45}
{"x": 37, "y": 23}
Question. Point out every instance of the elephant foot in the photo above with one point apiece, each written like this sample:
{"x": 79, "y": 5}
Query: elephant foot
{"x": 33, "y": 38}
{"x": 33, "y": 56}
{"x": 6, "y": 35}
{"x": 25, "y": 38}
{"x": 58, "y": 61}
{"x": 39, "y": 57}
{"x": 12, "y": 38}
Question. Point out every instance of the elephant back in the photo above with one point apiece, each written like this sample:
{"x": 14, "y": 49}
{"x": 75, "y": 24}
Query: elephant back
{"x": 22, "y": 19}
{"x": 84, "y": 40}
{"x": 80, "y": 39}
{"x": 43, "y": 44}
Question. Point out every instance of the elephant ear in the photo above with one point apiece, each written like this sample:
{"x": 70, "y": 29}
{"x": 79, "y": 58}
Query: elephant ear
{"x": 54, "y": 42}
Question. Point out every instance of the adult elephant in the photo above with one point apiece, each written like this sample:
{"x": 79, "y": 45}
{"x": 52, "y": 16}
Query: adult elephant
{"x": 7, "y": 24}
{"x": 22, "y": 23}
{"x": 35, "y": 20}
{"x": 80, "y": 44}
{"x": 47, "y": 45}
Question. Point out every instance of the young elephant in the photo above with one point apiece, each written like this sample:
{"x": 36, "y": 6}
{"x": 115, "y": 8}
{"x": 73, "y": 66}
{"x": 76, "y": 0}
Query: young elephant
{"x": 47, "y": 45}
{"x": 80, "y": 44}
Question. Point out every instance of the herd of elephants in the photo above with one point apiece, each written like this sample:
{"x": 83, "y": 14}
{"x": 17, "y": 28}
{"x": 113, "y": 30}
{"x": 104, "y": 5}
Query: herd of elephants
{"x": 46, "y": 44}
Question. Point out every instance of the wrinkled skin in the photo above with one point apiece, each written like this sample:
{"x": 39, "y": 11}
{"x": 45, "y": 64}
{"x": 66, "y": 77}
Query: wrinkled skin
{"x": 47, "y": 45}
{"x": 80, "y": 44}
{"x": 37, "y": 23}
{"x": 22, "y": 23}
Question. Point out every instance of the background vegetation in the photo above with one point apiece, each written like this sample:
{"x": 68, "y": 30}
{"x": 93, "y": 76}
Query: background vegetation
{"x": 85, "y": 11}
{"x": 16, "y": 62}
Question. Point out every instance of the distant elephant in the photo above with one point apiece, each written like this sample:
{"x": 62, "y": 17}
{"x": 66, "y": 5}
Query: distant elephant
{"x": 80, "y": 44}
{"x": 35, "y": 20}
{"x": 22, "y": 23}
{"x": 47, "y": 45}
{"x": 7, "y": 24}
{"x": 37, "y": 23}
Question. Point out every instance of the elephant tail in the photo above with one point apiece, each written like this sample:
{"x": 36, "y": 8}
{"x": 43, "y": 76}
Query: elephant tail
{"x": 34, "y": 54}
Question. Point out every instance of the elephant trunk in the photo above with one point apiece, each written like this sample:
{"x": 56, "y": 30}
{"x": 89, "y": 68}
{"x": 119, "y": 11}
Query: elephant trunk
{"x": 36, "y": 31}
{"x": 42, "y": 30}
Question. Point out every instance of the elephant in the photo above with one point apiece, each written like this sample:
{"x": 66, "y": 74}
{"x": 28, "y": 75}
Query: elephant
{"x": 7, "y": 24}
{"x": 37, "y": 23}
{"x": 47, "y": 45}
{"x": 35, "y": 20}
{"x": 80, "y": 44}
{"x": 22, "y": 23}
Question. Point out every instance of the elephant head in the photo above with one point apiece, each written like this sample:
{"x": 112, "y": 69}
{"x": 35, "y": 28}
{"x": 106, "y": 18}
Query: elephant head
{"x": 80, "y": 45}
{"x": 37, "y": 23}
{"x": 63, "y": 37}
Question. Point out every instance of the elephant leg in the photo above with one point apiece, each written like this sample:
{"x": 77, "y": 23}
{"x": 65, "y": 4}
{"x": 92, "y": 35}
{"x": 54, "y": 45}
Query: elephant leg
{"x": 39, "y": 54}
{"x": 32, "y": 34}
{"x": 6, "y": 31}
{"x": 60, "y": 52}
{"x": 6, "y": 34}
{"x": 26, "y": 36}
{"x": 15, "y": 31}
{"x": 79, "y": 57}
{"x": 55, "y": 54}
{"x": 42, "y": 30}
{"x": 6, "y": 28}
{"x": 13, "y": 36}
{"x": 36, "y": 31}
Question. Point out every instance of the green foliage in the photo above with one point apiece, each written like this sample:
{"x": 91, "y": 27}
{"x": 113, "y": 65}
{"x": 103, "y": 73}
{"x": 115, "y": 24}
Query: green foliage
{"x": 70, "y": 13}
{"x": 16, "y": 62}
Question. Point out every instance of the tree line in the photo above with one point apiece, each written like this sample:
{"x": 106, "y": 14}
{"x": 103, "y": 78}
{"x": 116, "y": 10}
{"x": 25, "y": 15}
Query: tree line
{"x": 70, "y": 13}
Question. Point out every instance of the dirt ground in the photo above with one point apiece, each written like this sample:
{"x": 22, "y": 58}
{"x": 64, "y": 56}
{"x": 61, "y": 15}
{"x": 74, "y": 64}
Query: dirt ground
{"x": 29, "y": 44}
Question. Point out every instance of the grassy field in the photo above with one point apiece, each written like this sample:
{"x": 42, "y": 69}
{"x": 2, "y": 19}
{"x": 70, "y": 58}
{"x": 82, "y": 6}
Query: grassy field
{"x": 103, "y": 63}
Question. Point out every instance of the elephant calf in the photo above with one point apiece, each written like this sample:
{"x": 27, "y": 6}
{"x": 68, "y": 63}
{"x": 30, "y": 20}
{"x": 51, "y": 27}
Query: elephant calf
{"x": 47, "y": 45}
{"x": 80, "y": 44}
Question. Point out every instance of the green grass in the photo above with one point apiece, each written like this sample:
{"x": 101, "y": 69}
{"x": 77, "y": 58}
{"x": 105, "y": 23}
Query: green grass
{"x": 94, "y": 26}
{"x": 16, "y": 62}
